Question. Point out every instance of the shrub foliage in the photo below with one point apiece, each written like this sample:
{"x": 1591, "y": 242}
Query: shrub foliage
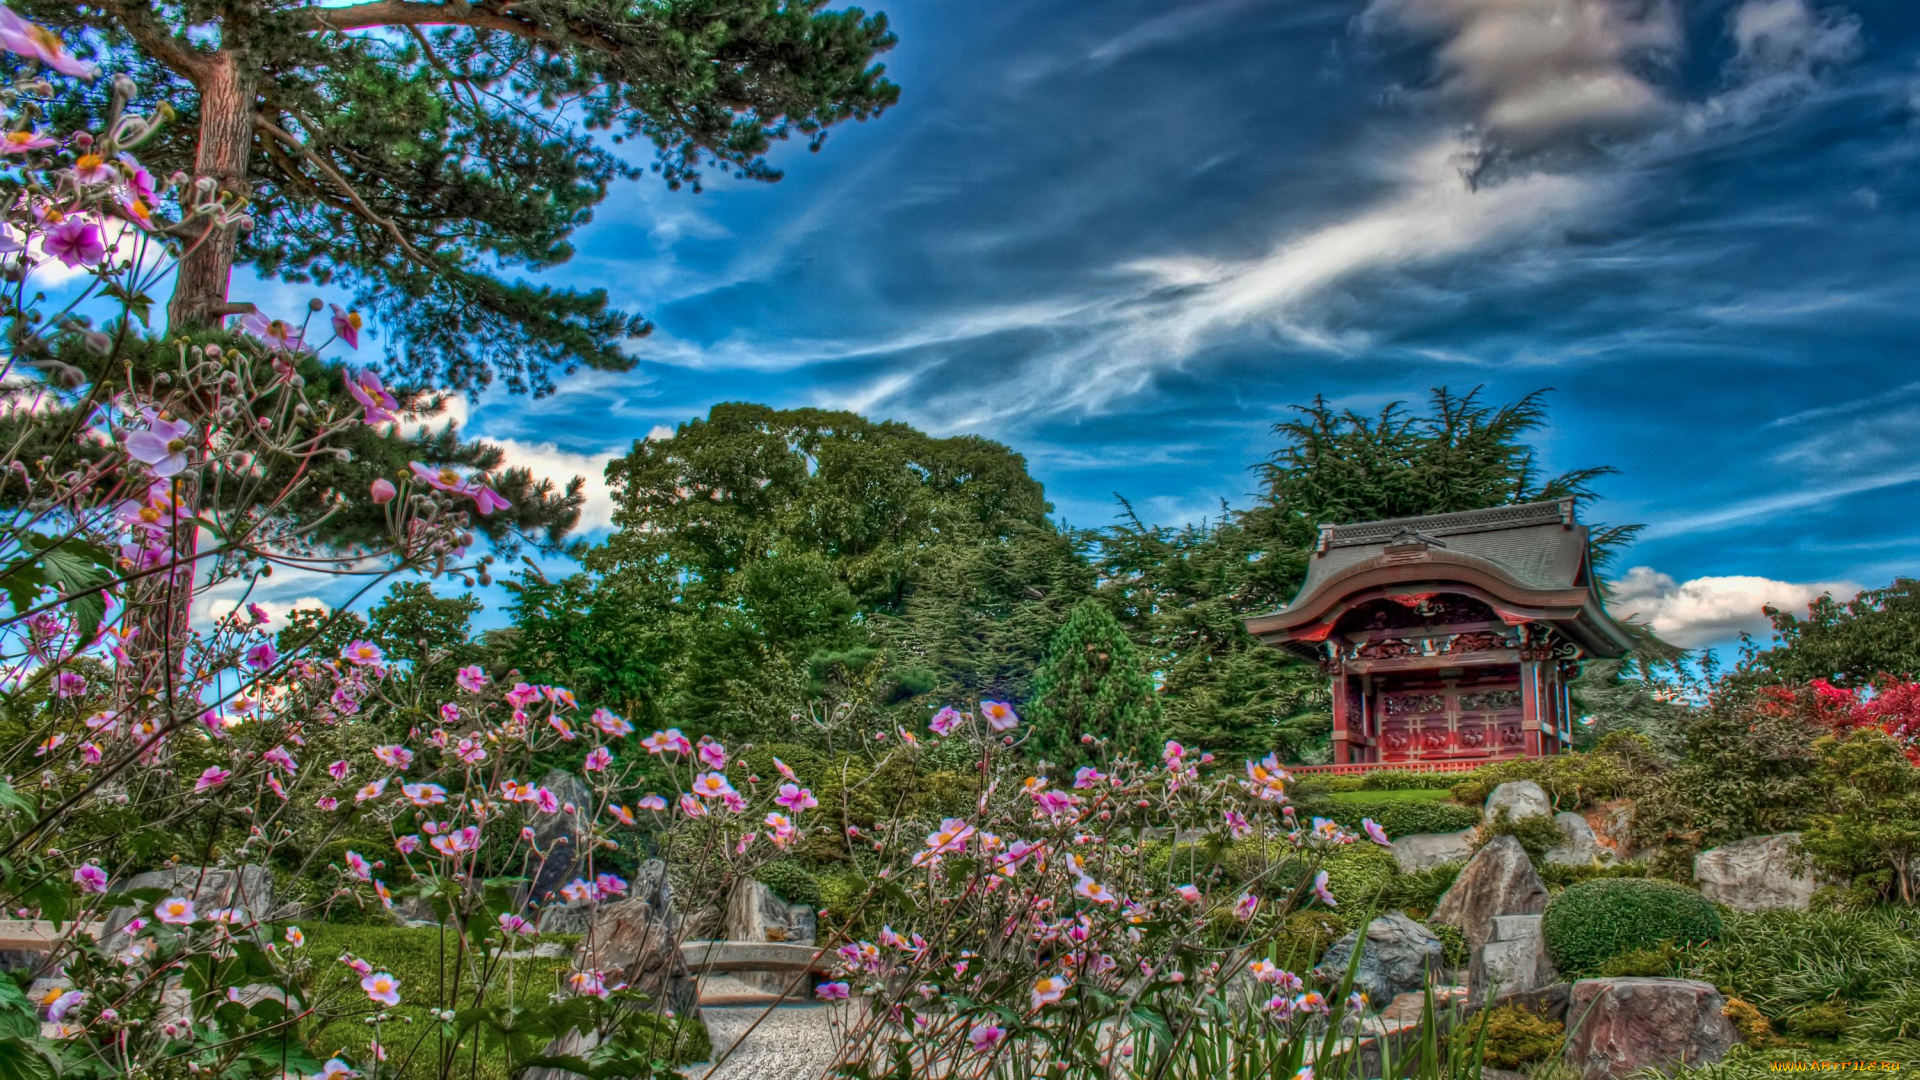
{"x": 1595, "y": 921}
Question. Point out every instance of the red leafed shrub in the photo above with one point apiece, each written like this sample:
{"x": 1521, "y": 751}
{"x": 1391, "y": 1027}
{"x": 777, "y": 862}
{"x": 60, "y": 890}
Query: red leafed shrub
{"x": 1892, "y": 706}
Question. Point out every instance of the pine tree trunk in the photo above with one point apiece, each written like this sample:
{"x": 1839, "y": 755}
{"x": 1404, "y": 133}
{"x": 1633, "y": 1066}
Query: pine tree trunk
{"x": 227, "y": 97}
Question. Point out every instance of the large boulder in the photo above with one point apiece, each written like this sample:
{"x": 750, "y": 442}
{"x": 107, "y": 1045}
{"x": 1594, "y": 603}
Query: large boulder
{"x": 1423, "y": 851}
{"x": 1756, "y": 874}
{"x": 756, "y": 913}
{"x": 635, "y": 941}
{"x": 247, "y": 890}
{"x": 1520, "y": 799}
{"x": 632, "y": 941}
{"x": 1399, "y": 956}
{"x": 1513, "y": 961}
{"x": 558, "y": 835}
{"x": 1581, "y": 848}
{"x": 1498, "y": 880}
{"x": 1619, "y": 1026}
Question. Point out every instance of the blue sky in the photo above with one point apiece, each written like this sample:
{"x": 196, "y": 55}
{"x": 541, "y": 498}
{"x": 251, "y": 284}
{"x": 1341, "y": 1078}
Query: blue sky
{"x": 1124, "y": 236}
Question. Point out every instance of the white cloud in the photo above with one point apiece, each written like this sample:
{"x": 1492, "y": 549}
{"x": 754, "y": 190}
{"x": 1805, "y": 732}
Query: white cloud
{"x": 1818, "y": 493}
{"x": 1712, "y": 610}
{"x": 1782, "y": 48}
{"x": 658, "y": 432}
{"x": 1536, "y": 75}
{"x": 548, "y": 460}
{"x": 285, "y": 592}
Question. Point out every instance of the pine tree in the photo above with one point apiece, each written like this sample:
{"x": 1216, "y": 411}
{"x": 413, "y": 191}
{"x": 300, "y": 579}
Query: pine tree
{"x": 1092, "y": 683}
{"x": 423, "y": 153}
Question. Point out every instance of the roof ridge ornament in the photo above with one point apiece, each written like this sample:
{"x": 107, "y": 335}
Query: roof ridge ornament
{"x": 1411, "y": 538}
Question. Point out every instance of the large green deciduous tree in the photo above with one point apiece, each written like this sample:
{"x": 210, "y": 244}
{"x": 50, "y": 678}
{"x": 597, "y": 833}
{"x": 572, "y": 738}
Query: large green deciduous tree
{"x": 420, "y": 152}
{"x": 1092, "y": 683}
{"x": 1850, "y": 644}
{"x": 804, "y": 555}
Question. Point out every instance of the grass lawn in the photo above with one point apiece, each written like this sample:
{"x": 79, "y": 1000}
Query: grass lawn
{"x": 415, "y": 956}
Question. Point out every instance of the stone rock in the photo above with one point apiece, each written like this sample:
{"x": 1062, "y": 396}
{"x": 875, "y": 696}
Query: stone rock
{"x": 1619, "y": 1026}
{"x": 1399, "y": 956}
{"x": 1422, "y": 851}
{"x": 1520, "y": 799}
{"x": 1755, "y": 874}
{"x": 1513, "y": 961}
{"x": 415, "y": 909}
{"x": 247, "y": 889}
{"x": 756, "y": 913}
{"x": 636, "y": 941}
{"x": 1614, "y": 827}
{"x": 633, "y": 941}
{"x": 559, "y": 836}
{"x": 1582, "y": 846}
{"x": 1412, "y": 1005}
{"x": 1498, "y": 880}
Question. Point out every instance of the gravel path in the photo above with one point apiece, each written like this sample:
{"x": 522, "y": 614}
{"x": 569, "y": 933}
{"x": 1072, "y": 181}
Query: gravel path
{"x": 792, "y": 1043}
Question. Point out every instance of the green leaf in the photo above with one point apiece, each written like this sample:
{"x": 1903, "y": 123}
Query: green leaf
{"x": 21, "y": 1059}
{"x": 18, "y": 1017}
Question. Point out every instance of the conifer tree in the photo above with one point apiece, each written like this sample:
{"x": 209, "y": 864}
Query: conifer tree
{"x": 1092, "y": 683}
{"x": 421, "y": 153}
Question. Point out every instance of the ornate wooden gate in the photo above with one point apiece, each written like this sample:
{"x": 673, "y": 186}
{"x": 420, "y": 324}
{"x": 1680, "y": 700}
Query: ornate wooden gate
{"x": 1451, "y": 720}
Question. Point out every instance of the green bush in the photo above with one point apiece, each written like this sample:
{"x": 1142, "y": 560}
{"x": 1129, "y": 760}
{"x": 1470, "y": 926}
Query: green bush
{"x": 419, "y": 956}
{"x": 791, "y": 881}
{"x": 1402, "y": 816}
{"x": 1356, "y": 874}
{"x": 1417, "y": 893}
{"x": 1306, "y": 938}
{"x": 1572, "y": 781}
{"x": 1595, "y": 921}
{"x": 1825, "y": 1021}
{"x": 1557, "y": 877}
{"x": 1453, "y": 943}
{"x": 1518, "y": 1036}
{"x": 1536, "y": 834}
{"x": 1647, "y": 963}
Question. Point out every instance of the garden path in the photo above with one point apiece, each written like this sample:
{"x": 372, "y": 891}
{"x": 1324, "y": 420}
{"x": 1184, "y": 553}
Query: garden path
{"x": 793, "y": 1042}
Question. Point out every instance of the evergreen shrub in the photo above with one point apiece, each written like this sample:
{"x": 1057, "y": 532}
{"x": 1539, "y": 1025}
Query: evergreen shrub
{"x": 1403, "y": 817}
{"x": 791, "y": 881}
{"x": 1595, "y": 921}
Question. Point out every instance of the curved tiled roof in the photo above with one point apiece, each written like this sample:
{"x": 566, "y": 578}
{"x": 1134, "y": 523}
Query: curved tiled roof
{"x": 1531, "y": 555}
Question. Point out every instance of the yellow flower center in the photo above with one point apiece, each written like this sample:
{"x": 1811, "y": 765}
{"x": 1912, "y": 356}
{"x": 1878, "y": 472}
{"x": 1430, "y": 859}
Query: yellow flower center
{"x": 89, "y": 162}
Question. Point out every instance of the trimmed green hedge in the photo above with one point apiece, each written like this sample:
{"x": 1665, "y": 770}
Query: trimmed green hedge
{"x": 1595, "y": 921}
{"x": 1402, "y": 816}
{"x": 1402, "y": 780}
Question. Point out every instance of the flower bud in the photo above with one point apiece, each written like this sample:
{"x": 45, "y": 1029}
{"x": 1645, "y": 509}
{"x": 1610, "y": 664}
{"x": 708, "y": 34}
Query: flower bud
{"x": 314, "y": 304}
{"x": 383, "y": 492}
